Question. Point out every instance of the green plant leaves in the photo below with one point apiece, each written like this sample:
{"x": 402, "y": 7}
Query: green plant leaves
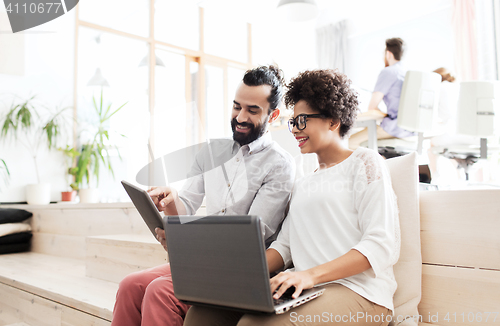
{"x": 39, "y": 129}
{"x": 96, "y": 152}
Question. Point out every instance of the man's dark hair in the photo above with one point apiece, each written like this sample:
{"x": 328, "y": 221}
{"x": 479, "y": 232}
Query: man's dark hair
{"x": 395, "y": 46}
{"x": 267, "y": 75}
{"x": 326, "y": 91}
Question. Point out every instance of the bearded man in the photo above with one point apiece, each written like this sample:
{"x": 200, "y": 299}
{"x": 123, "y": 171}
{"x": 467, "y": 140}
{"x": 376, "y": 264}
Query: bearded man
{"x": 250, "y": 174}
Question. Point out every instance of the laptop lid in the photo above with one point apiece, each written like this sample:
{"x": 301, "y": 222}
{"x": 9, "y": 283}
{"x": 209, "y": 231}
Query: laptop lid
{"x": 145, "y": 206}
{"x": 220, "y": 261}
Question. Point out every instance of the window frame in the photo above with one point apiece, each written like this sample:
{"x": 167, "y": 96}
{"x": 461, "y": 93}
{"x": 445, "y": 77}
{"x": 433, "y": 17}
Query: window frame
{"x": 199, "y": 56}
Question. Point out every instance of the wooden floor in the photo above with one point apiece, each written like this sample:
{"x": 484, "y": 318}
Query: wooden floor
{"x": 45, "y": 282}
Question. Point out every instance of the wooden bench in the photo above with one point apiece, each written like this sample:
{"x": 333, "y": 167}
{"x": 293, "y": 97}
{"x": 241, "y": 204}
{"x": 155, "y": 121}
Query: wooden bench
{"x": 41, "y": 289}
{"x": 80, "y": 253}
{"x": 60, "y": 281}
{"x": 460, "y": 235}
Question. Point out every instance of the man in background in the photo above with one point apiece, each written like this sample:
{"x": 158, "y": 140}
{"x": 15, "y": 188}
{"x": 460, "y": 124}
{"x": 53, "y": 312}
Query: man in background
{"x": 388, "y": 88}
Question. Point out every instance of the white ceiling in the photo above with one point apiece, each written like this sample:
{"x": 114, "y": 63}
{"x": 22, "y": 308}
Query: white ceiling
{"x": 374, "y": 13}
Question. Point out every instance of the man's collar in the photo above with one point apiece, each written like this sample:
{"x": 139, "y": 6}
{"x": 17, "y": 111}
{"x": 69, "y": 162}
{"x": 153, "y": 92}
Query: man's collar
{"x": 257, "y": 145}
{"x": 260, "y": 143}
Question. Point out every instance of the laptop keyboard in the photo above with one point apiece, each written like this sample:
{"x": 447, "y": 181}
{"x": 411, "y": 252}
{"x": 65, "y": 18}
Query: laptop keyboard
{"x": 282, "y": 299}
{"x": 285, "y": 297}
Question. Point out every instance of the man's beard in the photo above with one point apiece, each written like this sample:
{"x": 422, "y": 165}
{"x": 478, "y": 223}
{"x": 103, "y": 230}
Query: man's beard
{"x": 255, "y": 132}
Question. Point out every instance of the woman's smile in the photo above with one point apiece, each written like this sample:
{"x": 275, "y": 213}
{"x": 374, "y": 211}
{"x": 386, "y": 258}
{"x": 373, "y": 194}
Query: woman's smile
{"x": 301, "y": 140}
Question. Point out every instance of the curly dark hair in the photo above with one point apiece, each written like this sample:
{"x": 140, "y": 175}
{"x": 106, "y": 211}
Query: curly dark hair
{"x": 267, "y": 75}
{"x": 326, "y": 91}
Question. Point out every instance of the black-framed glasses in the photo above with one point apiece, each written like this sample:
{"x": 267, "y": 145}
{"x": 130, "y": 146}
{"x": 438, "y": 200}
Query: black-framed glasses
{"x": 300, "y": 121}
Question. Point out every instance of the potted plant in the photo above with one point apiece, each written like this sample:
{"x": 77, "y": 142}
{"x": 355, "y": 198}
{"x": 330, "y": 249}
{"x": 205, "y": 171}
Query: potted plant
{"x": 94, "y": 151}
{"x": 34, "y": 126}
{"x": 70, "y": 155}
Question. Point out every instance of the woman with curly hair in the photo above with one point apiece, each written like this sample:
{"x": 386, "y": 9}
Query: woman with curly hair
{"x": 342, "y": 230}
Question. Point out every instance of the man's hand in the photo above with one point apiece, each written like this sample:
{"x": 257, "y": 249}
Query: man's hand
{"x": 374, "y": 114}
{"x": 284, "y": 280}
{"x": 165, "y": 199}
{"x": 375, "y": 100}
{"x": 160, "y": 236}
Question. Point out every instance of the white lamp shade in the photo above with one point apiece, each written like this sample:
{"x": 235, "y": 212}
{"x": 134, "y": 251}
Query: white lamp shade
{"x": 419, "y": 99}
{"x": 479, "y": 108}
{"x": 98, "y": 79}
{"x": 145, "y": 61}
{"x": 298, "y": 10}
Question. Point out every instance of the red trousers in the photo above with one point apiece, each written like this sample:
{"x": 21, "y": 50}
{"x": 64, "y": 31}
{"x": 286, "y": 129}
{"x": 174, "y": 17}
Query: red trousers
{"x": 147, "y": 298}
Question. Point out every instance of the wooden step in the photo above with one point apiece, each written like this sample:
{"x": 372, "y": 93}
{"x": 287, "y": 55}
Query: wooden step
{"x": 7, "y": 319}
{"x": 46, "y": 290}
{"x": 61, "y": 229}
{"x": 112, "y": 257}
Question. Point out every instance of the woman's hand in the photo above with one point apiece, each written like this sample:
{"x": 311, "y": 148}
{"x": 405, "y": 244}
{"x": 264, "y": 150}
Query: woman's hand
{"x": 284, "y": 280}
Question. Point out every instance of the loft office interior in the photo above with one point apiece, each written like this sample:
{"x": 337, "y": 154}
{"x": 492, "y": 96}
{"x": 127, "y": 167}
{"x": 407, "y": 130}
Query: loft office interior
{"x": 172, "y": 68}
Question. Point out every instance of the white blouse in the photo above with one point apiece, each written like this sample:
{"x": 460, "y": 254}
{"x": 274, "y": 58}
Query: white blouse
{"x": 348, "y": 206}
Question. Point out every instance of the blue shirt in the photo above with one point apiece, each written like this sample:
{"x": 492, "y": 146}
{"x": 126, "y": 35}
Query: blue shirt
{"x": 390, "y": 82}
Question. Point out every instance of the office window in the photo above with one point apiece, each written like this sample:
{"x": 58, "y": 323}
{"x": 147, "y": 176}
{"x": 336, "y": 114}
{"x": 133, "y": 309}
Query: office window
{"x": 234, "y": 77}
{"x": 177, "y": 23}
{"x": 263, "y": 44}
{"x": 177, "y": 99}
{"x": 225, "y": 37}
{"x": 216, "y": 124}
{"x": 194, "y": 135}
{"x": 170, "y": 112}
{"x": 131, "y": 16}
{"x": 118, "y": 60}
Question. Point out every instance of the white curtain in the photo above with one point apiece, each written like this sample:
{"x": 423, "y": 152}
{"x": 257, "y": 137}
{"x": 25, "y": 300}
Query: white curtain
{"x": 464, "y": 30}
{"x": 486, "y": 47}
{"x": 331, "y": 46}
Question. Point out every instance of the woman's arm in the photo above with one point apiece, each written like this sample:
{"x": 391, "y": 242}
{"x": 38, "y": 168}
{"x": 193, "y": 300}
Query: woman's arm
{"x": 349, "y": 264}
{"x": 274, "y": 260}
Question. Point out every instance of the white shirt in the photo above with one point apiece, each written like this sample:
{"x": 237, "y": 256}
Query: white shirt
{"x": 348, "y": 206}
{"x": 254, "y": 179}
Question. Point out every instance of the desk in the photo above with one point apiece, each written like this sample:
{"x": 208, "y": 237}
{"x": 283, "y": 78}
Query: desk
{"x": 369, "y": 120}
{"x": 371, "y": 124}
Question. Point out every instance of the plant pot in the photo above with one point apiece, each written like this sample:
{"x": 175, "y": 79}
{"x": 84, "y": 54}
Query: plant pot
{"x": 38, "y": 194}
{"x": 89, "y": 195}
{"x": 68, "y": 195}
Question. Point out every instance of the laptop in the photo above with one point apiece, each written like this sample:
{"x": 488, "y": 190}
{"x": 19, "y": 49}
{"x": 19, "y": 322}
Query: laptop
{"x": 220, "y": 261}
{"x": 144, "y": 204}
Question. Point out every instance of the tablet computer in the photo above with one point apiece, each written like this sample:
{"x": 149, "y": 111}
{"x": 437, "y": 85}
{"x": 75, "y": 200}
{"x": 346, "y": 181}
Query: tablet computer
{"x": 144, "y": 204}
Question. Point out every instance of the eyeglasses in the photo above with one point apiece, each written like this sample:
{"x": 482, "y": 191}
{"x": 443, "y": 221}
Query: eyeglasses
{"x": 300, "y": 121}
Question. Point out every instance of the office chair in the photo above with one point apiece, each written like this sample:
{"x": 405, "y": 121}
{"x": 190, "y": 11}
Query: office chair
{"x": 419, "y": 99}
{"x": 479, "y": 117}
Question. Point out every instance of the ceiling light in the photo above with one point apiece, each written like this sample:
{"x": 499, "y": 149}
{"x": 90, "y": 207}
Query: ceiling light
{"x": 145, "y": 61}
{"x": 98, "y": 79}
{"x": 298, "y": 10}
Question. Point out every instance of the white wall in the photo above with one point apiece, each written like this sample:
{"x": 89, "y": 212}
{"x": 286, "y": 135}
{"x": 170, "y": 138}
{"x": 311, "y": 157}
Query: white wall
{"x": 48, "y": 72}
{"x": 424, "y": 25}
